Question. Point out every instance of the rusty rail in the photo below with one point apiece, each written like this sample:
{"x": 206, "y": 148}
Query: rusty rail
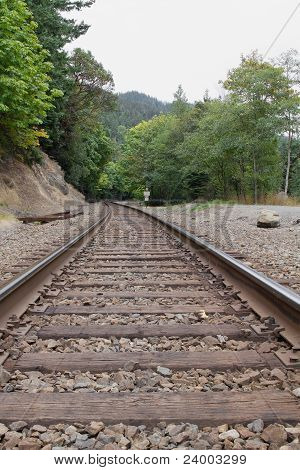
{"x": 23, "y": 289}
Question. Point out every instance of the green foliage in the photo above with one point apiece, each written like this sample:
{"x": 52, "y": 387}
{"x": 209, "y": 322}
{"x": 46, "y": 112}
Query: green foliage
{"x": 85, "y": 158}
{"x": 290, "y": 63}
{"x": 180, "y": 104}
{"x": 55, "y": 30}
{"x": 295, "y": 179}
{"x": 150, "y": 159}
{"x": 86, "y": 147}
{"x": 25, "y": 95}
{"x": 112, "y": 183}
{"x": 93, "y": 86}
{"x": 131, "y": 109}
{"x": 245, "y": 145}
{"x": 264, "y": 94}
{"x": 219, "y": 148}
{"x": 77, "y": 139}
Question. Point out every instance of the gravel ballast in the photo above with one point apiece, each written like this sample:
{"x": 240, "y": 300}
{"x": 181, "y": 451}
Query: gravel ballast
{"x": 96, "y": 435}
{"x": 19, "y": 242}
{"x": 274, "y": 252}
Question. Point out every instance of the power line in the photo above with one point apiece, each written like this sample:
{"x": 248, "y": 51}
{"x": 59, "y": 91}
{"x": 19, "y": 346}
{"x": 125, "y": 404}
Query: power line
{"x": 281, "y": 31}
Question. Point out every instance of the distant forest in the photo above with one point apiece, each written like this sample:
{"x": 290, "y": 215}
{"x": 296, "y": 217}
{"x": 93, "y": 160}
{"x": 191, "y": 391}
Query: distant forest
{"x": 132, "y": 107}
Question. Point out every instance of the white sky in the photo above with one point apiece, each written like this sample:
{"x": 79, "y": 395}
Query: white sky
{"x": 153, "y": 45}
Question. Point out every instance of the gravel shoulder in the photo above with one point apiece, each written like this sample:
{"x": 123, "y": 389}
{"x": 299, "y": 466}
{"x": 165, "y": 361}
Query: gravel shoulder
{"x": 22, "y": 242}
{"x": 274, "y": 252}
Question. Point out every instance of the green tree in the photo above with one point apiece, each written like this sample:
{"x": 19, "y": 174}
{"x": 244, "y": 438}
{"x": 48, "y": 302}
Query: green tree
{"x": 113, "y": 183}
{"x": 86, "y": 147}
{"x": 150, "y": 158}
{"x": 93, "y": 85}
{"x": 25, "y": 95}
{"x": 54, "y": 31}
{"x": 290, "y": 63}
{"x": 262, "y": 90}
{"x": 132, "y": 108}
{"x": 88, "y": 152}
{"x": 180, "y": 104}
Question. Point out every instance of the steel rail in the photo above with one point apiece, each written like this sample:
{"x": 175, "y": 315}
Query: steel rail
{"x": 10, "y": 290}
{"x": 265, "y": 296}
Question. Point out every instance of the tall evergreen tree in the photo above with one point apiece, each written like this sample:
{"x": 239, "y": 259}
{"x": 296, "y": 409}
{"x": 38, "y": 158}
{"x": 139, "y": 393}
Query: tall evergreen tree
{"x": 180, "y": 104}
{"x": 55, "y": 30}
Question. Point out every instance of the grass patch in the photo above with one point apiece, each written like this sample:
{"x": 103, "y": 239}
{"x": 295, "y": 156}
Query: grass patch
{"x": 278, "y": 200}
{"x": 7, "y": 218}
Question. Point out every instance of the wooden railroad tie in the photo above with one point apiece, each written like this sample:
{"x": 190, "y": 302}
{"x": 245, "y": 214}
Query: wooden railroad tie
{"x": 112, "y": 361}
{"x": 203, "y": 409}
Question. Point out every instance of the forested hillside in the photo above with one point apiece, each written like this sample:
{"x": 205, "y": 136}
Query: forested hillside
{"x": 243, "y": 146}
{"x": 132, "y": 108}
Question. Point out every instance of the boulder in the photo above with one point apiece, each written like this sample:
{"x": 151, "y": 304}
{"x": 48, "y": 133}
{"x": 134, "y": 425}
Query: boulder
{"x": 268, "y": 219}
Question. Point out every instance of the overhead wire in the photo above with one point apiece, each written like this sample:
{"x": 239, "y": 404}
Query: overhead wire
{"x": 281, "y": 30}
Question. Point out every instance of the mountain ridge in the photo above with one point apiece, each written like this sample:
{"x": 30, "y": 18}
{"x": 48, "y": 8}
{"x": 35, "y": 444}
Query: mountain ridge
{"x": 133, "y": 107}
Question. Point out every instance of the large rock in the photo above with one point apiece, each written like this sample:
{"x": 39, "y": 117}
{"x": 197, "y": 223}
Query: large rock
{"x": 268, "y": 219}
{"x": 274, "y": 434}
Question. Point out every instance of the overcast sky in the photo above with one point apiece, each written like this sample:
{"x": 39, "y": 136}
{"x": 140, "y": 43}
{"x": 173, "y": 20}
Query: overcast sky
{"x": 153, "y": 45}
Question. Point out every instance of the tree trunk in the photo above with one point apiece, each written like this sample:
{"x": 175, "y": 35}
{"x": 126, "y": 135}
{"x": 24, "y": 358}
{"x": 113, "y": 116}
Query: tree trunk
{"x": 288, "y": 167}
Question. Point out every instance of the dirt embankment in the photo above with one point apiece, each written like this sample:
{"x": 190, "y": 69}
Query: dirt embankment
{"x": 39, "y": 189}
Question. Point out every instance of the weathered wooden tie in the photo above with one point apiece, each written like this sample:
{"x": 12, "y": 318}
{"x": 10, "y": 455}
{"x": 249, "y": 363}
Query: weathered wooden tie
{"x": 142, "y": 294}
{"x": 203, "y": 409}
{"x": 140, "y": 331}
{"x": 111, "y": 361}
{"x": 125, "y": 310}
{"x": 125, "y": 283}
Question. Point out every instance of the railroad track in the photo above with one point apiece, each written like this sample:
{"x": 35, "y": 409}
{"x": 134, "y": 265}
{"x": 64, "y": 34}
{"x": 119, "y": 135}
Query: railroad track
{"x": 136, "y": 342}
